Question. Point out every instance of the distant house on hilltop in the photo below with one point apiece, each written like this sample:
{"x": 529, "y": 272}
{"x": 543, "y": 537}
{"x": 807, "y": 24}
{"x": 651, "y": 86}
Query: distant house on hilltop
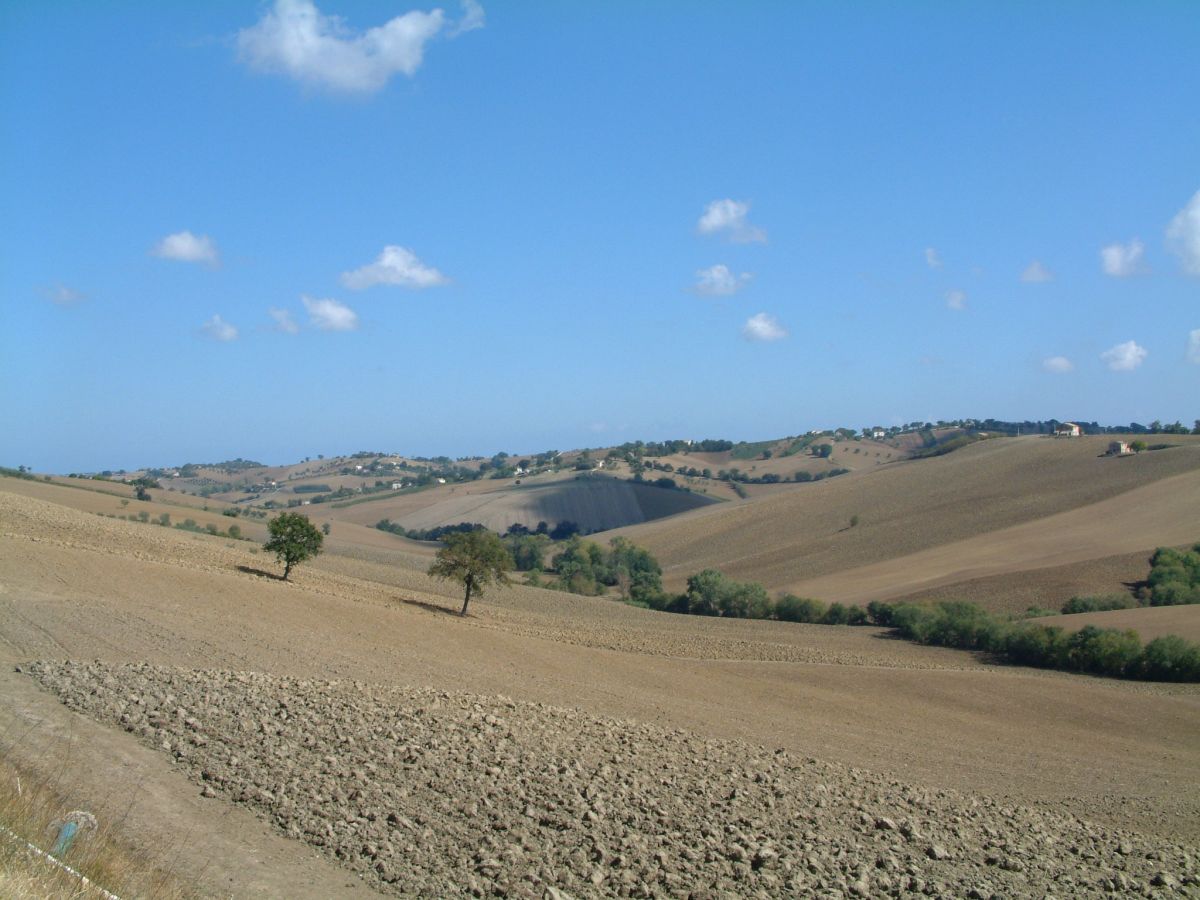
{"x": 1066, "y": 429}
{"x": 878, "y": 434}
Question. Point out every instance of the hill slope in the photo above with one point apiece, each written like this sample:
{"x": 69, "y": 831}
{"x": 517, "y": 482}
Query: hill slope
{"x": 787, "y": 539}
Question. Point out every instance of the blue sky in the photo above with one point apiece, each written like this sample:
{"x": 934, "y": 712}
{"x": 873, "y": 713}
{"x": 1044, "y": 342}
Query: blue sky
{"x": 279, "y": 229}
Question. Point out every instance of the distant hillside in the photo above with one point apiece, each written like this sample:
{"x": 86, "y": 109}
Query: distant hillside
{"x": 594, "y": 503}
{"x": 792, "y": 537}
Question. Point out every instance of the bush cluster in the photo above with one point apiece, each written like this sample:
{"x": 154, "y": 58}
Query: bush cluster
{"x": 1175, "y": 577}
{"x": 1099, "y": 651}
{"x": 1103, "y": 603}
{"x": 584, "y": 567}
{"x": 426, "y": 534}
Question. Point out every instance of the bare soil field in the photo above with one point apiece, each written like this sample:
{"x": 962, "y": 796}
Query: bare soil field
{"x": 1046, "y": 588}
{"x": 1148, "y": 622}
{"x": 789, "y": 539}
{"x": 1163, "y": 513}
{"x": 630, "y": 752}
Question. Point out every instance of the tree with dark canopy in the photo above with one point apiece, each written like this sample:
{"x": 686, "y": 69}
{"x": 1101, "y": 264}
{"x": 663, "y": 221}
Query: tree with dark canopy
{"x": 293, "y": 540}
{"x": 474, "y": 559}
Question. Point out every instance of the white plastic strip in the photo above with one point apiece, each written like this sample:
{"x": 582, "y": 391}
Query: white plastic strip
{"x": 83, "y": 879}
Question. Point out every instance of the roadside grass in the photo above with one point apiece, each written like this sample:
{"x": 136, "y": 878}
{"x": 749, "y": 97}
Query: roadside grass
{"x": 32, "y": 805}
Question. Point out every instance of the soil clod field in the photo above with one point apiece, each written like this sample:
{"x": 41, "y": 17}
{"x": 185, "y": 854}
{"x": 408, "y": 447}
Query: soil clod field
{"x": 437, "y": 793}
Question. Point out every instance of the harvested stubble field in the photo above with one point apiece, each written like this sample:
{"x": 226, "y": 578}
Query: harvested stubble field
{"x": 1026, "y": 781}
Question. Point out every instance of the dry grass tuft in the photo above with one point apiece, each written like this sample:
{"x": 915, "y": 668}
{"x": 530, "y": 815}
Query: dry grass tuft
{"x": 31, "y": 804}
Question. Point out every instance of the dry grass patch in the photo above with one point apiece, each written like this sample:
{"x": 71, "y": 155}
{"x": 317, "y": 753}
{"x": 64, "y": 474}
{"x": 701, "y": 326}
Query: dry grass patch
{"x": 98, "y": 864}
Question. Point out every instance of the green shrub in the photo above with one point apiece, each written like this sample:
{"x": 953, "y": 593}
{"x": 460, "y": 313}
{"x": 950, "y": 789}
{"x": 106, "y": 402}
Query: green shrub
{"x": 880, "y": 613}
{"x": 1104, "y": 651}
{"x": 1170, "y": 658}
{"x": 1042, "y": 646}
{"x": 790, "y": 608}
{"x": 1174, "y": 593}
{"x": 1102, "y": 603}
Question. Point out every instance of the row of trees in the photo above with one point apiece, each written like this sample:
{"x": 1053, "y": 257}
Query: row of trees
{"x": 1099, "y": 651}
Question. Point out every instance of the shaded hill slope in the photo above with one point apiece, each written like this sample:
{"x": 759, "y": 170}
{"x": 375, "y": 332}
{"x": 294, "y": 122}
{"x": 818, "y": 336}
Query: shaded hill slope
{"x": 595, "y": 503}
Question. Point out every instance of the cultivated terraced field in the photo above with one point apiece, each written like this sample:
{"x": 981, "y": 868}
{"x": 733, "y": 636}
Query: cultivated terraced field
{"x": 632, "y": 752}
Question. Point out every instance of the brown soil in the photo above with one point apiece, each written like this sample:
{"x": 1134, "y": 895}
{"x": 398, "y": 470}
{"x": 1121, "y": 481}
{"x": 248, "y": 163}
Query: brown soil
{"x": 1149, "y": 622}
{"x": 887, "y": 719}
{"x": 790, "y": 539}
{"x": 1046, "y": 588}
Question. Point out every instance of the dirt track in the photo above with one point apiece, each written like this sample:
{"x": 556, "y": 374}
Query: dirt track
{"x": 77, "y": 586}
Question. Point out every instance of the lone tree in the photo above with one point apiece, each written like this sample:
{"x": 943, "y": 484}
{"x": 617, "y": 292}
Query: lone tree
{"x": 293, "y": 539}
{"x": 475, "y": 559}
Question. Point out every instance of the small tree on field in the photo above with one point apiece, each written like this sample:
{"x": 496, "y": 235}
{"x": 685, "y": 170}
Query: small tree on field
{"x": 293, "y": 540}
{"x": 474, "y": 559}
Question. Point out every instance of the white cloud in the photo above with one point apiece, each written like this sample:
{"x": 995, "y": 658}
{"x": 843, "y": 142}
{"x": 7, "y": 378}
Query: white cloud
{"x": 1059, "y": 365}
{"x": 956, "y": 300}
{"x": 1036, "y": 273}
{"x": 719, "y": 281}
{"x": 61, "y": 295}
{"x": 187, "y": 247}
{"x": 1124, "y": 357}
{"x": 932, "y": 258}
{"x": 1183, "y": 236}
{"x": 728, "y": 217}
{"x": 219, "y": 330}
{"x": 294, "y": 38}
{"x": 283, "y": 320}
{"x": 395, "y": 265}
{"x": 473, "y": 17}
{"x": 1193, "y": 346}
{"x": 763, "y": 327}
{"x": 1123, "y": 260}
{"x": 330, "y": 315}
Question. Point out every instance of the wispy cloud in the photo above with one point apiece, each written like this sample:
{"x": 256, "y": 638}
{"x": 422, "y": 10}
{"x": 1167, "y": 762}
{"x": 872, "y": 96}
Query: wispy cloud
{"x": 295, "y": 38}
{"x": 283, "y": 321}
{"x": 219, "y": 330}
{"x": 473, "y": 17}
{"x": 183, "y": 246}
{"x": 933, "y": 259}
{"x": 1123, "y": 260}
{"x": 61, "y": 295}
{"x": 1036, "y": 273}
{"x": 728, "y": 217}
{"x": 330, "y": 315}
{"x": 719, "y": 281}
{"x": 396, "y": 266}
{"x": 763, "y": 327}
{"x": 1183, "y": 235}
{"x": 1124, "y": 357}
{"x": 1058, "y": 365}
{"x": 956, "y": 300}
{"x": 1193, "y": 346}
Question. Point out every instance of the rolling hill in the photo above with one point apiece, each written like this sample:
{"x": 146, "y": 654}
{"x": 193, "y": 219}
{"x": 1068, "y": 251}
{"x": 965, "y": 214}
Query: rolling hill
{"x": 789, "y": 540}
